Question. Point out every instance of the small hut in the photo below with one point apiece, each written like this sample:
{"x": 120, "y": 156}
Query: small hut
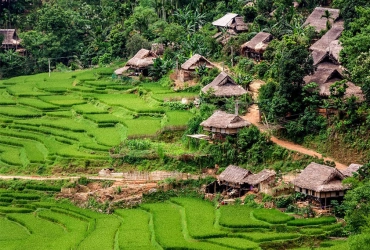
{"x": 321, "y": 183}
{"x": 224, "y": 86}
{"x": 234, "y": 178}
{"x": 221, "y": 124}
{"x": 353, "y": 168}
{"x": 231, "y": 21}
{"x": 188, "y": 68}
{"x": 262, "y": 181}
{"x": 140, "y": 62}
{"x": 256, "y": 46}
{"x": 320, "y": 49}
{"x": 10, "y": 39}
{"x": 317, "y": 20}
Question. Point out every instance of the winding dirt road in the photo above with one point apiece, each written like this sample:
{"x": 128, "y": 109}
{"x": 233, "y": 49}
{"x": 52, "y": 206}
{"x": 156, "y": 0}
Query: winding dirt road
{"x": 253, "y": 117}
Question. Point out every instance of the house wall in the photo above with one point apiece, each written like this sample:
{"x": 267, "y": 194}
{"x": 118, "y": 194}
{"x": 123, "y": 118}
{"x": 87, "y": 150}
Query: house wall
{"x": 265, "y": 186}
{"x": 185, "y": 75}
{"x": 319, "y": 194}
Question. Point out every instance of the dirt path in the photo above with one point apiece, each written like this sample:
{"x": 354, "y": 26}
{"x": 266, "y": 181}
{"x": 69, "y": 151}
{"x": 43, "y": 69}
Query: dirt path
{"x": 253, "y": 117}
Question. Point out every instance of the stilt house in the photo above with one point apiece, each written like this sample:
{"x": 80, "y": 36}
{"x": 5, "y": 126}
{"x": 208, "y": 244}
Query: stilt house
{"x": 224, "y": 86}
{"x": 321, "y": 182}
{"x": 221, "y": 124}
{"x": 141, "y": 62}
{"x": 262, "y": 181}
{"x": 10, "y": 39}
{"x": 256, "y": 46}
{"x": 189, "y": 67}
{"x": 235, "y": 178}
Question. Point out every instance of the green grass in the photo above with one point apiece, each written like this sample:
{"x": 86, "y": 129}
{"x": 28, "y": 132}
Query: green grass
{"x": 143, "y": 126}
{"x": 235, "y": 243}
{"x": 267, "y": 236}
{"x": 272, "y": 216}
{"x": 178, "y": 118}
{"x": 243, "y": 220}
{"x": 89, "y": 109}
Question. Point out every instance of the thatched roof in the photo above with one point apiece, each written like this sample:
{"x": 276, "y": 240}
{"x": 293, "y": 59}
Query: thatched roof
{"x": 348, "y": 172}
{"x": 221, "y": 119}
{"x": 326, "y": 75}
{"x": 316, "y": 20}
{"x": 121, "y": 70}
{"x": 142, "y": 59}
{"x": 223, "y": 85}
{"x": 255, "y": 179}
{"x": 195, "y": 61}
{"x": 225, "y": 21}
{"x": 334, "y": 49}
{"x": 10, "y": 37}
{"x": 320, "y": 178}
{"x": 259, "y": 42}
{"x": 321, "y": 47}
{"x": 238, "y": 24}
{"x": 234, "y": 174}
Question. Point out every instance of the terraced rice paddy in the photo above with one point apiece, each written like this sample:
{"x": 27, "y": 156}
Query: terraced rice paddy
{"x": 181, "y": 223}
{"x": 77, "y": 116}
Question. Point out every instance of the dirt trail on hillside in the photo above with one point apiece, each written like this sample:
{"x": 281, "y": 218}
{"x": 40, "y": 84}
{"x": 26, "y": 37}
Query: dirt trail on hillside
{"x": 253, "y": 117}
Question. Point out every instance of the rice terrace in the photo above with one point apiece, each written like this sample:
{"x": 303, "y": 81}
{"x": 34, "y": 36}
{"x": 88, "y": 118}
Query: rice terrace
{"x": 78, "y": 115}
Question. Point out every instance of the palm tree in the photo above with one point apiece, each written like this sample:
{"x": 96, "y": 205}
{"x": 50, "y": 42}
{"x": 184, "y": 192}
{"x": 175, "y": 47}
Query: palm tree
{"x": 328, "y": 16}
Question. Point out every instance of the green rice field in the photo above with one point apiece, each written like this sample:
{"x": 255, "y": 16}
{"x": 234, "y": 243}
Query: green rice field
{"x": 181, "y": 223}
{"x": 78, "y": 116}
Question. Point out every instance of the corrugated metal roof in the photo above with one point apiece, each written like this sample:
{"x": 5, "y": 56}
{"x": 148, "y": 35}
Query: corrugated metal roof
{"x": 226, "y": 20}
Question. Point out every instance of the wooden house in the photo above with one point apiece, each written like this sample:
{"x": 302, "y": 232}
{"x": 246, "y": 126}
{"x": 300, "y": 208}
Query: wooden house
{"x": 256, "y": 46}
{"x": 321, "y": 183}
{"x": 234, "y": 178}
{"x": 317, "y": 20}
{"x": 320, "y": 49}
{"x": 221, "y": 124}
{"x": 224, "y": 86}
{"x": 140, "y": 62}
{"x": 231, "y": 21}
{"x": 262, "y": 181}
{"x": 353, "y": 168}
{"x": 229, "y": 26}
{"x": 189, "y": 67}
{"x": 10, "y": 39}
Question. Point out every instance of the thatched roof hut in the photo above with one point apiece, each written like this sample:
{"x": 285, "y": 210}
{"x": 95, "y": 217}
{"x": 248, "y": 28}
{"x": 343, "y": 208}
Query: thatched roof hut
{"x": 257, "y": 45}
{"x": 256, "y": 179}
{"x": 224, "y": 123}
{"x": 196, "y": 61}
{"x": 316, "y": 20}
{"x": 142, "y": 59}
{"x": 326, "y": 75}
{"x": 348, "y": 172}
{"x": 320, "y": 49}
{"x": 234, "y": 175}
{"x": 224, "y": 86}
{"x": 231, "y": 21}
{"x": 10, "y": 38}
{"x": 188, "y": 68}
{"x": 320, "y": 178}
